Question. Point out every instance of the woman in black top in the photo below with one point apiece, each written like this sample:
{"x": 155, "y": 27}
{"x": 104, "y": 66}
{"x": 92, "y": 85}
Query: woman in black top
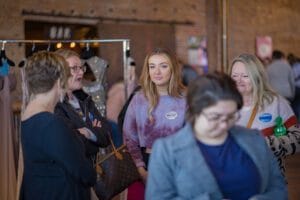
{"x": 55, "y": 166}
{"x": 79, "y": 111}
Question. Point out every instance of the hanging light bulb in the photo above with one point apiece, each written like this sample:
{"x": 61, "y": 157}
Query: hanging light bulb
{"x": 59, "y": 45}
{"x": 72, "y": 45}
{"x": 96, "y": 44}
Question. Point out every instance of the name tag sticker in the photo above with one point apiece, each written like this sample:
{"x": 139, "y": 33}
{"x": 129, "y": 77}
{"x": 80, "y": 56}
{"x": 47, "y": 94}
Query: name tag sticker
{"x": 265, "y": 117}
{"x": 171, "y": 115}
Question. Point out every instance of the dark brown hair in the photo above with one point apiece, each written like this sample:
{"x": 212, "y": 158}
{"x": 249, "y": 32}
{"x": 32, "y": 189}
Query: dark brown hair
{"x": 207, "y": 90}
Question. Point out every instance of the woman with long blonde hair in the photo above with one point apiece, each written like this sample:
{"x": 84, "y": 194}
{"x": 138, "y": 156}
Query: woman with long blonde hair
{"x": 158, "y": 110}
{"x": 263, "y": 107}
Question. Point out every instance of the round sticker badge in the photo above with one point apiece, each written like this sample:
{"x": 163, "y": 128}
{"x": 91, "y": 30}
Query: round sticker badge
{"x": 265, "y": 117}
{"x": 171, "y": 115}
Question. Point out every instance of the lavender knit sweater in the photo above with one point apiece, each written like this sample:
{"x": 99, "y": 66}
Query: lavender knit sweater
{"x": 169, "y": 116}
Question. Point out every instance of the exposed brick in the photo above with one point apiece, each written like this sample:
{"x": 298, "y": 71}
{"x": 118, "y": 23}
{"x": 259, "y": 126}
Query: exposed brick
{"x": 246, "y": 19}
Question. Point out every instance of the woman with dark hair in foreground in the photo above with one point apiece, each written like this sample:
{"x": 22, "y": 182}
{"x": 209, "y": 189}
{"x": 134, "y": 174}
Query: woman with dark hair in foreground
{"x": 211, "y": 158}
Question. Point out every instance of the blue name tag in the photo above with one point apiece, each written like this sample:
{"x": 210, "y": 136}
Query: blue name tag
{"x": 265, "y": 117}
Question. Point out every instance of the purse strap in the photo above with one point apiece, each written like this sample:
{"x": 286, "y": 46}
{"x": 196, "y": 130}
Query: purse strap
{"x": 252, "y": 116}
{"x": 115, "y": 151}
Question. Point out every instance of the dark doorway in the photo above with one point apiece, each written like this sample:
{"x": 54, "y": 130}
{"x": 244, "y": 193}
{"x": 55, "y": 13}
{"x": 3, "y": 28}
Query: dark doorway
{"x": 38, "y": 30}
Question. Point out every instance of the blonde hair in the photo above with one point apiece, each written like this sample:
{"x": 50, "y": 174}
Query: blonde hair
{"x": 262, "y": 92}
{"x": 175, "y": 87}
{"x": 67, "y": 53}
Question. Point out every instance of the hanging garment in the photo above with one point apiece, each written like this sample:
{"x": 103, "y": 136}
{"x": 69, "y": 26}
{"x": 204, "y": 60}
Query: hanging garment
{"x": 8, "y": 180}
{"x": 98, "y": 67}
{"x": 4, "y": 68}
{"x": 96, "y": 89}
{"x": 4, "y": 58}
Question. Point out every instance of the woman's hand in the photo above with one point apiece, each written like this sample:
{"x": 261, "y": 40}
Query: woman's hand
{"x": 88, "y": 134}
{"x": 143, "y": 173}
{"x": 84, "y": 131}
{"x": 97, "y": 123}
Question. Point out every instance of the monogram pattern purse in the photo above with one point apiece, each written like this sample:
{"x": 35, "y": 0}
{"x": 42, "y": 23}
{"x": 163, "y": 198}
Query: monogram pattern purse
{"x": 115, "y": 172}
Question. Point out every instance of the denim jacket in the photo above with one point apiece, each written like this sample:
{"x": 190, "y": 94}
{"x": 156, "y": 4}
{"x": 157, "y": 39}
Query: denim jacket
{"x": 178, "y": 170}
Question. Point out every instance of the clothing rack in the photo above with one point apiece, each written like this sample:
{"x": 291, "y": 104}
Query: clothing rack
{"x": 125, "y": 49}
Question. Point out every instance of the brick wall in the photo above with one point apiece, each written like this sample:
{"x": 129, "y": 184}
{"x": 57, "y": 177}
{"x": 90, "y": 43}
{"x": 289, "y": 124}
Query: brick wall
{"x": 168, "y": 11}
{"x": 277, "y": 18}
{"x": 177, "y": 11}
{"x": 246, "y": 19}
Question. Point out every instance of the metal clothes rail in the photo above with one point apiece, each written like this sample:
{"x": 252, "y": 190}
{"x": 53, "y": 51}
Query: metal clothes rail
{"x": 125, "y": 49}
{"x": 65, "y": 41}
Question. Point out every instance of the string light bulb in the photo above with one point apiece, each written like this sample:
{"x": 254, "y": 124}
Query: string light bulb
{"x": 59, "y": 45}
{"x": 72, "y": 45}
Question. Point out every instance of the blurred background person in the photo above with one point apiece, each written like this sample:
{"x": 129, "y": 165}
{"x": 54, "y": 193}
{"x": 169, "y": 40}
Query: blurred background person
{"x": 115, "y": 100}
{"x": 263, "y": 107}
{"x": 281, "y": 76}
{"x": 116, "y": 96}
{"x": 188, "y": 74}
{"x": 211, "y": 158}
{"x": 295, "y": 63}
{"x": 157, "y": 110}
{"x": 55, "y": 166}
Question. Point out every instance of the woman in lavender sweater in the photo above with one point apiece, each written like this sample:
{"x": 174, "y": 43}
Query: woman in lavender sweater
{"x": 158, "y": 110}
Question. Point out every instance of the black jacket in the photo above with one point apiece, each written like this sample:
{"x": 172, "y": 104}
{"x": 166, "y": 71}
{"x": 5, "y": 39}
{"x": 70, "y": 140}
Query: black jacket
{"x": 75, "y": 121}
{"x": 55, "y": 167}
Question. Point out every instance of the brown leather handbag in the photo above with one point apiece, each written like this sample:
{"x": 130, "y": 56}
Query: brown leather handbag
{"x": 115, "y": 172}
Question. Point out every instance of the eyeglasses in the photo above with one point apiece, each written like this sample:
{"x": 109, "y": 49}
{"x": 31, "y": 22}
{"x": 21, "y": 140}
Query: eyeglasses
{"x": 76, "y": 69}
{"x": 215, "y": 117}
{"x": 236, "y": 76}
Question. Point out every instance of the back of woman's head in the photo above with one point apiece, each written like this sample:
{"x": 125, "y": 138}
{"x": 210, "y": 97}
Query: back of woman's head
{"x": 43, "y": 69}
{"x": 208, "y": 90}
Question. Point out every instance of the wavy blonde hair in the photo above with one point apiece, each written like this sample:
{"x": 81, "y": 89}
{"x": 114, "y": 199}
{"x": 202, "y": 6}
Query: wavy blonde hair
{"x": 175, "y": 87}
{"x": 67, "y": 53}
{"x": 262, "y": 92}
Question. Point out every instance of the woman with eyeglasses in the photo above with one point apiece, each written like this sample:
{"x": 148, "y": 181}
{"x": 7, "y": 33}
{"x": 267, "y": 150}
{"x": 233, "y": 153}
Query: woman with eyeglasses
{"x": 211, "y": 158}
{"x": 78, "y": 109}
{"x": 264, "y": 109}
